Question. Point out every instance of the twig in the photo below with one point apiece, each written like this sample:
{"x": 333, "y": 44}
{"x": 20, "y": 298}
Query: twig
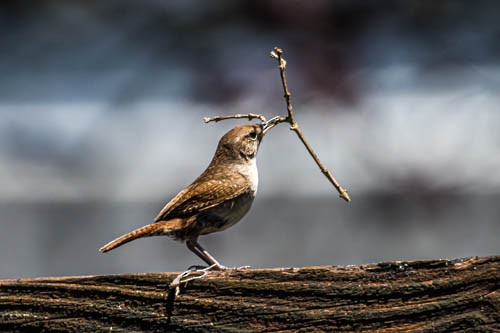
{"x": 294, "y": 126}
{"x": 290, "y": 118}
{"x": 174, "y": 288}
{"x": 250, "y": 116}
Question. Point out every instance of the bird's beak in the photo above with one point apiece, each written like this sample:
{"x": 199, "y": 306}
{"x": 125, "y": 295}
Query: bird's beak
{"x": 267, "y": 125}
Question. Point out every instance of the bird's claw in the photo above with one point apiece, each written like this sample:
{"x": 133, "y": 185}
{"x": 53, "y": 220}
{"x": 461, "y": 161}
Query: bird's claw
{"x": 242, "y": 268}
{"x": 197, "y": 268}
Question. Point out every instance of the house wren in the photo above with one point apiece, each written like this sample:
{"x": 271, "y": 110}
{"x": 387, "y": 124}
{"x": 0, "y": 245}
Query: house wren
{"x": 216, "y": 200}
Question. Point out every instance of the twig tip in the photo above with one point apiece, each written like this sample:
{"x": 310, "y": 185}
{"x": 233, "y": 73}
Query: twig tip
{"x": 344, "y": 195}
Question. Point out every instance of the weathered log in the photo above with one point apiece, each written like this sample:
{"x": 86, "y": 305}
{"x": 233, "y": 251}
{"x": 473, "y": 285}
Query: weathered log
{"x": 416, "y": 296}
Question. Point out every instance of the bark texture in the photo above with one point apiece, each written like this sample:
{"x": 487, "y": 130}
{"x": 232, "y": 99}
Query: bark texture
{"x": 417, "y": 296}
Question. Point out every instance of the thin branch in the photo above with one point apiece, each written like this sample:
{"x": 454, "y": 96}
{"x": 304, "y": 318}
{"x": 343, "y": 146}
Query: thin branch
{"x": 294, "y": 126}
{"x": 290, "y": 118}
{"x": 249, "y": 116}
{"x": 174, "y": 289}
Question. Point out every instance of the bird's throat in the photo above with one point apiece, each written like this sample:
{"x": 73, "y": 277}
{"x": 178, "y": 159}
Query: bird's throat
{"x": 250, "y": 172}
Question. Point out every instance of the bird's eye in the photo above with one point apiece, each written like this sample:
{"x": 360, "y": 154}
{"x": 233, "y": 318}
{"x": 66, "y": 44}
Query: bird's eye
{"x": 252, "y": 135}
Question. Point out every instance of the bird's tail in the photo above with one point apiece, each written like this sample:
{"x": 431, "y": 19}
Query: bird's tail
{"x": 146, "y": 231}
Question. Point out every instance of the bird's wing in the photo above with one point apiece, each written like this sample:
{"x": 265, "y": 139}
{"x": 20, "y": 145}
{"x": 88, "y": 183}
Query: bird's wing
{"x": 203, "y": 194}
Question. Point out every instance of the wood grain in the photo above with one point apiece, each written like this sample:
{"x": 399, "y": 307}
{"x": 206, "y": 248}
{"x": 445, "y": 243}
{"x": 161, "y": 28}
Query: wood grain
{"x": 417, "y": 296}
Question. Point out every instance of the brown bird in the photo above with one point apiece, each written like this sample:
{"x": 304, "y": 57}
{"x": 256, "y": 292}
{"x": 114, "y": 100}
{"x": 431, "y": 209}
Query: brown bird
{"x": 216, "y": 200}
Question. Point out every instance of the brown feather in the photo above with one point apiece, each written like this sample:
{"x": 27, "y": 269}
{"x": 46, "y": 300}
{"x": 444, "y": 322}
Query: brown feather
{"x": 206, "y": 192}
{"x": 154, "y": 229}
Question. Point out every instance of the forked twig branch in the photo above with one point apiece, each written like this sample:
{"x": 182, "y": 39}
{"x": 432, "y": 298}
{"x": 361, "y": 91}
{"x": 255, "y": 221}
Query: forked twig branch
{"x": 290, "y": 118}
{"x": 294, "y": 126}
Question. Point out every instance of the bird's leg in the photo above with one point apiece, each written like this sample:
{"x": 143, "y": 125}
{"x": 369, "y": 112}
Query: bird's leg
{"x": 197, "y": 249}
{"x": 193, "y": 249}
{"x": 211, "y": 259}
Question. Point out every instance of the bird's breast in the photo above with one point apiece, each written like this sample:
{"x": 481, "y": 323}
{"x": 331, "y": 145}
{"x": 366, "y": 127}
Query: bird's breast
{"x": 250, "y": 172}
{"x": 227, "y": 214}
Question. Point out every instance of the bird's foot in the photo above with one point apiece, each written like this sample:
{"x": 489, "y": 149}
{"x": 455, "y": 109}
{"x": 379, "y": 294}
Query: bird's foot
{"x": 241, "y": 268}
{"x": 198, "y": 268}
{"x": 216, "y": 267}
{"x": 219, "y": 267}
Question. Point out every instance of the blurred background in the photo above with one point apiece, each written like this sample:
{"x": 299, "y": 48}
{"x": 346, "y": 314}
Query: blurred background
{"x": 101, "y": 108}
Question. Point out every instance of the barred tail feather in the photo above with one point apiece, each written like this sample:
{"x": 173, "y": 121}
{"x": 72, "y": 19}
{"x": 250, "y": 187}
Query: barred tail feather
{"x": 146, "y": 231}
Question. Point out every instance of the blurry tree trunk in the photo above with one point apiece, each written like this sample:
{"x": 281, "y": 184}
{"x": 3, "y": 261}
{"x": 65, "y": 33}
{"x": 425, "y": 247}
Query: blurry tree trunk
{"x": 417, "y": 296}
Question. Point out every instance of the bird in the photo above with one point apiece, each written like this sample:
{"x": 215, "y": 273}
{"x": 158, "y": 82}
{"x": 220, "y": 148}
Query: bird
{"x": 216, "y": 200}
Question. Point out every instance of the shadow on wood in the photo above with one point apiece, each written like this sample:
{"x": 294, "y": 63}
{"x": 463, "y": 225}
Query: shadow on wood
{"x": 416, "y": 296}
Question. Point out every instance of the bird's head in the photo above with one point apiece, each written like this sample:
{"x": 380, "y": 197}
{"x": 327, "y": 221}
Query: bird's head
{"x": 242, "y": 142}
